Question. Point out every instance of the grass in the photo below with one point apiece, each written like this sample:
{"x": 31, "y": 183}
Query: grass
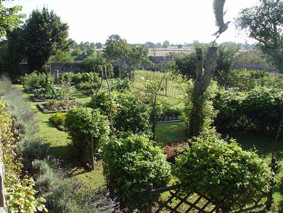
{"x": 60, "y": 147}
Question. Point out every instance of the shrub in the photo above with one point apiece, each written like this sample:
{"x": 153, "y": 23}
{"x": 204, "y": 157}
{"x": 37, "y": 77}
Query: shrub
{"x": 69, "y": 196}
{"x": 77, "y": 78}
{"x": 228, "y": 104}
{"x": 101, "y": 101}
{"x": 257, "y": 110}
{"x": 84, "y": 123}
{"x": 132, "y": 114}
{"x": 35, "y": 80}
{"x": 131, "y": 163}
{"x": 121, "y": 85}
{"x": 222, "y": 171}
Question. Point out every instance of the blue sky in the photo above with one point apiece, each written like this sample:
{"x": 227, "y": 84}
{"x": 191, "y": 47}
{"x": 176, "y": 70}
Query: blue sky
{"x": 138, "y": 21}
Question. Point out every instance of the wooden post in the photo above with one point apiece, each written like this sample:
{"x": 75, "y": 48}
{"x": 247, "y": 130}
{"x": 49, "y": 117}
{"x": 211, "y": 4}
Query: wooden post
{"x": 57, "y": 77}
{"x": 150, "y": 198}
{"x": 92, "y": 153}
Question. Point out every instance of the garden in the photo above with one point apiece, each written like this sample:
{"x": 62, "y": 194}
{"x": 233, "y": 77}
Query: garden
{"x": 130, "y": 134}
{"x": 119, "y": 131}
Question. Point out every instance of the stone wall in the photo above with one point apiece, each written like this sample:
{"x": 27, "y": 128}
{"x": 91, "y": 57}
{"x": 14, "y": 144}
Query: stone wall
{"x": 66, "y": 67}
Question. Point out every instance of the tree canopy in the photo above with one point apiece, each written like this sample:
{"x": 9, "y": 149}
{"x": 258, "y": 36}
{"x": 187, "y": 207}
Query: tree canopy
{"x": 9, "y": 18}
{"x": 44, "y": 35}
{"x": 130, "y": 55}
{"x": 264, "y": 23}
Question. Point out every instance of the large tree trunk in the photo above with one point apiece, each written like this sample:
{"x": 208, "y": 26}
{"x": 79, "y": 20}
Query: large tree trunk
{"x": 204, "y": 74}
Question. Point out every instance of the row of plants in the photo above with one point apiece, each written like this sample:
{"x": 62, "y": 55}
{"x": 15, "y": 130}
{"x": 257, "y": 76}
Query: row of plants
{"x": 257, "y": 110}
{"x": 248, "y": 79}
{"x": 18, "y": 147}
{"x": 86, "y": 80}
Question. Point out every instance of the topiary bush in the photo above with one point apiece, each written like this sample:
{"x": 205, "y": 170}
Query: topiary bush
{"x": 222, "y": 171}
{"x": 131, "y": 163}
{"x": 84, "y": 123}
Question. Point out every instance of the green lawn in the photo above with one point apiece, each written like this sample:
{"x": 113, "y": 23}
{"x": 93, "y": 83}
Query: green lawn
{"x": 60, "y": 147}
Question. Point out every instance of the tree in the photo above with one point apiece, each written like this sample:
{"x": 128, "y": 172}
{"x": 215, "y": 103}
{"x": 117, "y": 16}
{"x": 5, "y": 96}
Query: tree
{"x": 9, "y": 18}
{"x": 98, "y": 45}
{"x": 131, "y": 56}
{"x": 14, "y": 53}
{"x": 44, "y": 35}
{"x": 264, "y": 23}
{"x": 166, "y": 44}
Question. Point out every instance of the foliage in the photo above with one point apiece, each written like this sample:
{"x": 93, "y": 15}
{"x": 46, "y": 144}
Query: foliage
{"x": 35, "y": 80}
{"x": 130, "y": 164}
{"x": 20, "y": 194}
{"x": 61, "y": 57}
{"x": 10, "y": 18}
{"x": 77, "y": 78}
{"x": 222, "y": 171}
{"x": 82, "y": 50}
{"x": 96, "y": 63}
{"x": 227, "y": 103}
{"x": 260, "y": 108}
{"x": 208, "y": 112}
{"x": 245, "y": 80}
{"x": 84, "y": 123}
{"x": 264, "y": 24}
{"x": 13, "y": 55}
{"x": 47, "y": 93}
{"x": 186, "y": 64}
{"x": 101, "y": 100}
{"x": 130, "y": 55}
{"x": 44, "y": 35}
{"x": 57, "y": 118}
{"x": 121, "y": 85}
{"x": 70, "y": 196}
{"x": 132, "y": 114}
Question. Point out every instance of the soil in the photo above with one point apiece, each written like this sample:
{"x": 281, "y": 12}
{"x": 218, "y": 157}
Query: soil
{"x": 57, "y": 106}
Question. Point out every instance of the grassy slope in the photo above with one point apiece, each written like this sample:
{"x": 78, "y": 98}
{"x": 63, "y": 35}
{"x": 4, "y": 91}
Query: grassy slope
{"x": 61, "y": 149}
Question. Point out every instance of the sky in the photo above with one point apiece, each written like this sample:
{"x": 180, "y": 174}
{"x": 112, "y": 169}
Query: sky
{"x": 140, "y": 21}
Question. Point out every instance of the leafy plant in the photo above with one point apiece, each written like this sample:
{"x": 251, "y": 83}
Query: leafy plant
{"x": 222, "y": 171}
{"x": 19, "y": 191}
{"x": 57, "y": 118}
{"x": 132, "y": 114}
{"x": 84, "y": 123}
{"x": 130, "y": 164}
{"x": 35, "y": 80}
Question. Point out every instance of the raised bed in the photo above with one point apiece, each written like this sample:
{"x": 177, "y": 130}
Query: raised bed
{"x": 49, "y": 110}
{"x": 38, "y": 99}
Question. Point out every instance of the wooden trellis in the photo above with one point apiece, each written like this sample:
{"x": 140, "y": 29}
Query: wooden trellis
{"x": 178, "y": 202}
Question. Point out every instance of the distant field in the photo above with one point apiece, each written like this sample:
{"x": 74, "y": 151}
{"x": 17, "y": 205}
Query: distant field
{"x": 168, "y": 51}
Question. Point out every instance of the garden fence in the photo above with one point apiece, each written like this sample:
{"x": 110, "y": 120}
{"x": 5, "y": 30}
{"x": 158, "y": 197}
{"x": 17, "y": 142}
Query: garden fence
{"x": 180, "y": 202}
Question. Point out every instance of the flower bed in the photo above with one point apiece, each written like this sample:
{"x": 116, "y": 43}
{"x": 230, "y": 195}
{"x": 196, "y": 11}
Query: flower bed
{"x": 57, "y": 106}
{"x": 173, "y": 149}
{"x": 57, "y": 120}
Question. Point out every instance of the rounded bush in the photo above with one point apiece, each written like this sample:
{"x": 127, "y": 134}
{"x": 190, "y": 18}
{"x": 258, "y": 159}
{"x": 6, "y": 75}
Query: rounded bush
{"x": 222, "y": 171}
{"x": 84, "y": 123}
{"x": 130, "y": 164}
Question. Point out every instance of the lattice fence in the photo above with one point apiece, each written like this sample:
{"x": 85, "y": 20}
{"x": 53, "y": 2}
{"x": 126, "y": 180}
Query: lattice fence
{"x": 178, "y": 202}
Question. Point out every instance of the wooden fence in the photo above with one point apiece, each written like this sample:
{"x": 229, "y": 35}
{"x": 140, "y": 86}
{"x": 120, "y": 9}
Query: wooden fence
{"x": 180, "y": 202}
